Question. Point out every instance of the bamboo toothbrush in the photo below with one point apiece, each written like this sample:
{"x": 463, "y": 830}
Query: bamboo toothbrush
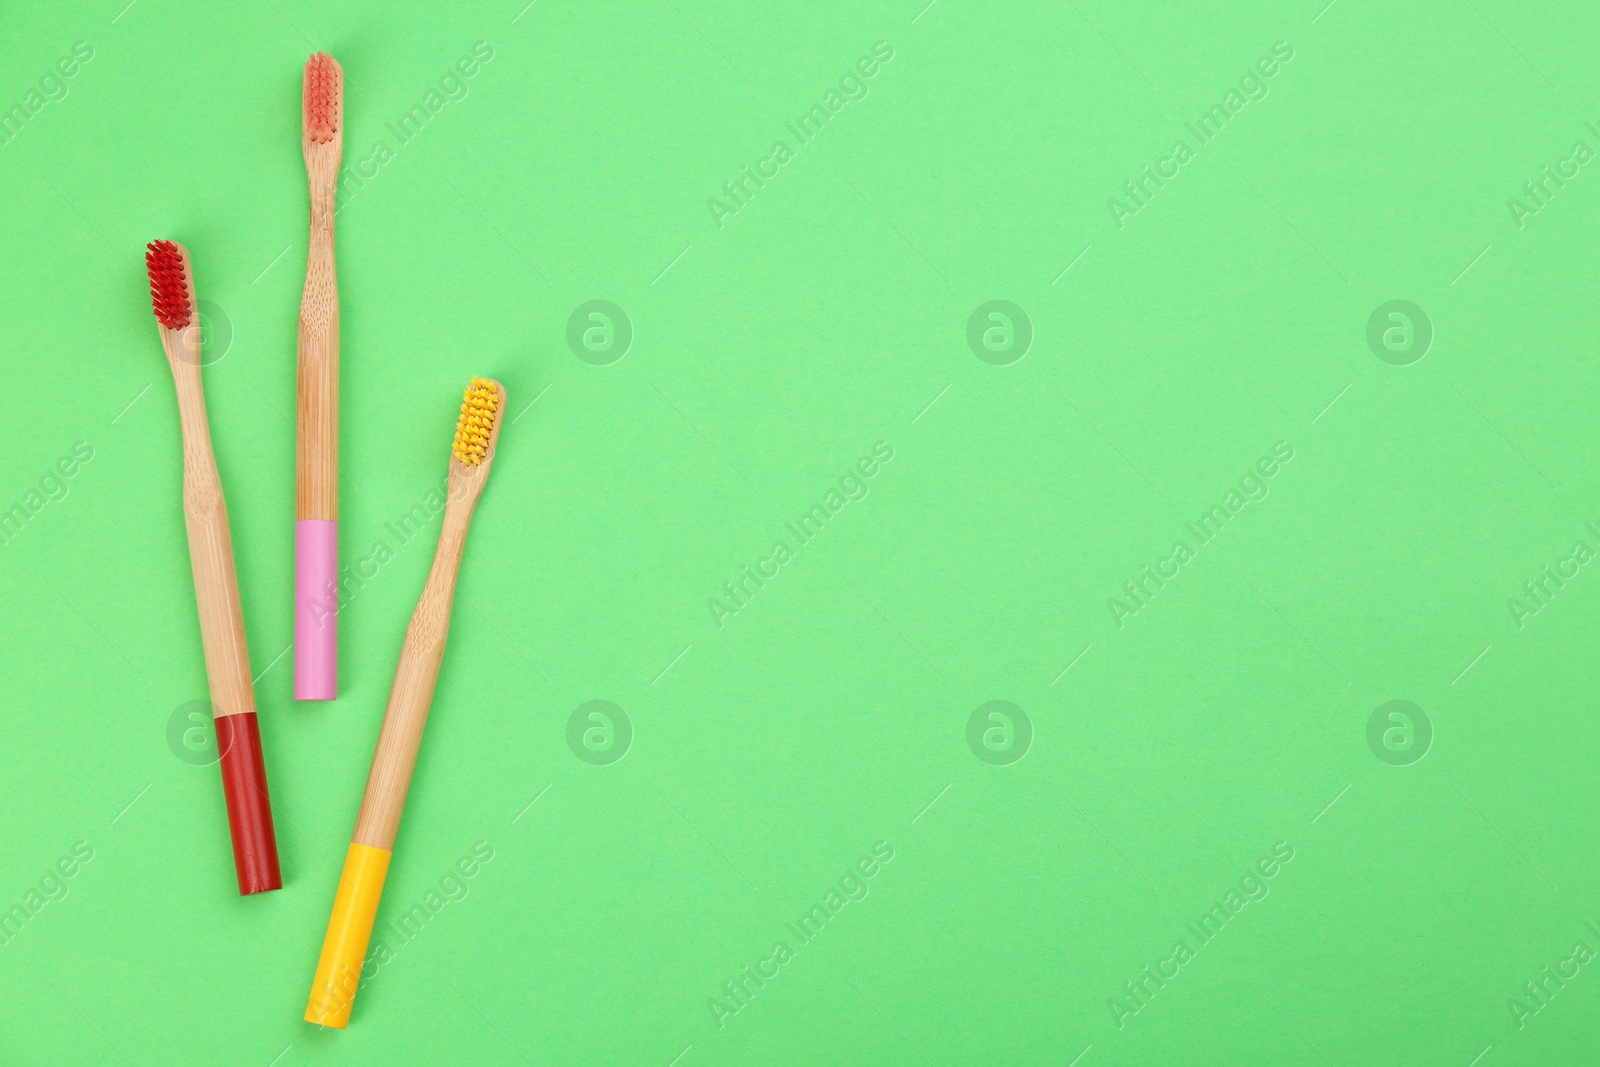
{"x": 216, "y": 586}
{"x": 316, "y": 499}
{"x": 344, "y": 948}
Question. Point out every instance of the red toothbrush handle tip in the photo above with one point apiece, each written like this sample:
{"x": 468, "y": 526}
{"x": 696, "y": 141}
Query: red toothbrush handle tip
{"x": 244, "y": 784}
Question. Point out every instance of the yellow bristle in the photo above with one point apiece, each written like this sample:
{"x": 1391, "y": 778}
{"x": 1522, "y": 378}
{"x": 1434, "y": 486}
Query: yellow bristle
{"x": 478, "y": 411}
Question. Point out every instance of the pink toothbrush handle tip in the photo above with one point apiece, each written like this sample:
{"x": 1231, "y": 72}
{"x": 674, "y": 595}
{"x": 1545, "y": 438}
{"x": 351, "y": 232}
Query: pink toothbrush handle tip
{"x": 316, "y": 607}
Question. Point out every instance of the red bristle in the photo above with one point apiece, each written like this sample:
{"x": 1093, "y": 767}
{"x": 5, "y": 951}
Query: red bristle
{"x": 320, "y": 98}
{"x": 169, "y": 284}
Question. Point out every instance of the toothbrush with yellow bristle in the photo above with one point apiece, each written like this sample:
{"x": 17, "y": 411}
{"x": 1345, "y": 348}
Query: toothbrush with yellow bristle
{"x": 344, "y": 948}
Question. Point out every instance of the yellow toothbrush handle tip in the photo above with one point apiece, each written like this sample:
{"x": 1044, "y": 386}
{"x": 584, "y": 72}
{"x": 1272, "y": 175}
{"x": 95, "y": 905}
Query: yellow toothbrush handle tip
{"x": 344, "y": 948}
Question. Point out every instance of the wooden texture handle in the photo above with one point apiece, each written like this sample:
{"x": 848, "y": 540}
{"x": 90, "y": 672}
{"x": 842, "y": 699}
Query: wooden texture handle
{"x": 216, "y": 585}
{"x": 423, "y": 649}
{"x": 317, "y": 442}
{"x": 418, "y": 672}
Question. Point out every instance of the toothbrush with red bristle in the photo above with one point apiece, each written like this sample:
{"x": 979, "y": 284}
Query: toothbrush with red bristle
{"x": 316, "y": 499}
{"x": 216, "y": 585}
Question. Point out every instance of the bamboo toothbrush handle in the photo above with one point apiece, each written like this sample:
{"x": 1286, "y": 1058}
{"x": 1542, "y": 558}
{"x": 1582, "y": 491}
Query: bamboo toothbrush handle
{"x": 366, "y": 863}
{"x": 317, "y": 451}
{"x": 216, "y": 590}
{"x": 316, "y": 624}
{"x": 412, "y": 693}
{"x": 216, "y": 583}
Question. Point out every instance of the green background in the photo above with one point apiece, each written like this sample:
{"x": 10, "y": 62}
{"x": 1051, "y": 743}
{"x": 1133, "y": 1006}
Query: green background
{"x": 768, "y": 355}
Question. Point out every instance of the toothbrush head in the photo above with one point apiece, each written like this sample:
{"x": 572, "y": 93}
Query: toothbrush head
{"x": 322, "y": 98}
{"x": 479, "y": 424}
{"x": 171, "y": 289}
